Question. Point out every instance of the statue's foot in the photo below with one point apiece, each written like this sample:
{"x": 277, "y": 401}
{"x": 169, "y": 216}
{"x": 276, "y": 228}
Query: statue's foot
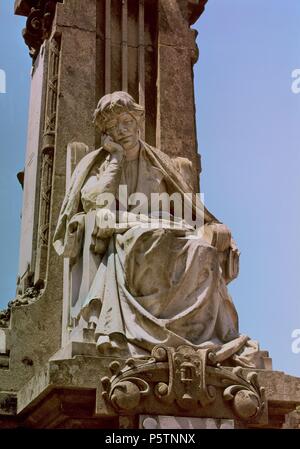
{"x": 117, "y": 345}
{"x": 113, "y": 345}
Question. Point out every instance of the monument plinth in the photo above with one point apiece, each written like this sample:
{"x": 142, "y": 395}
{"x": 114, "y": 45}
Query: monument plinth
{"x": 122, "y": 311}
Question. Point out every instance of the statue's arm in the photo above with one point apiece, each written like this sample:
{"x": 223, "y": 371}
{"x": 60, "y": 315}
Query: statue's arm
{"x": 105, "y": 181}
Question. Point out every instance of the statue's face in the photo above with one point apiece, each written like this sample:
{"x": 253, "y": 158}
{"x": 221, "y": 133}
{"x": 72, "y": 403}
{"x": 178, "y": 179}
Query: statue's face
{"x": 123, "y": 129}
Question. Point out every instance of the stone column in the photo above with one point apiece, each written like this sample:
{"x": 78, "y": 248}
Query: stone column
{"x": 47, "y": 159}
{"x": 177, "y": 53}
{"x": 28, "y": 240}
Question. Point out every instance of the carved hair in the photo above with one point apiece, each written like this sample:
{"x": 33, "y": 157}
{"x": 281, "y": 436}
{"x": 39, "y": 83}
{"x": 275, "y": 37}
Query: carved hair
{"x": 116, "y": 103}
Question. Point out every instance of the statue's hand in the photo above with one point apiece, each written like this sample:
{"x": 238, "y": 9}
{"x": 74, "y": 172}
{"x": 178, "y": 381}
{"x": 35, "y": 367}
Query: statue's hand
{"x": 105, "y": 224}
{"x": 231, "y": 262}
{"x": 113, "y": 148}
{"x": 221, "y": 236}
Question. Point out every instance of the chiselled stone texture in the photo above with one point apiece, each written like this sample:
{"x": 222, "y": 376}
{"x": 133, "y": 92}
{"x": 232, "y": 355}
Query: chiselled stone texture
{"x": 293, "y": 420}
{"x": 30, "y": 295}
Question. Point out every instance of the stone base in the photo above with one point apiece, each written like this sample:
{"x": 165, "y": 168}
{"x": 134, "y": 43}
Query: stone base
{"x": 82, "y": 342}
{"x": 70, "y": 394}
{"x": 292, "y": 420}
{"x": 175, "y": 422}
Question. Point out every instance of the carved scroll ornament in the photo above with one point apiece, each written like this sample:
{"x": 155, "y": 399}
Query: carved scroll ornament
{"x": 185, "y": 379}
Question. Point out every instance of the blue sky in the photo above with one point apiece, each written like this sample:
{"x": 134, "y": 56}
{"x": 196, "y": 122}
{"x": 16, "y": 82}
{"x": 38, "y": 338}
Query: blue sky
{"x": 14, "y": 60}
{"x": 249, "y": 138}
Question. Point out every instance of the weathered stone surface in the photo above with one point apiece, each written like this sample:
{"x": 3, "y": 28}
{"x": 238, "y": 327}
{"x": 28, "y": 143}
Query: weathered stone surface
{"x": 293, "y": 420}
{"x": 84, "y": 374}
{"x": 176, "y": 127}
{"x": 8, "y": 404}
{"x": 172, "y": 422}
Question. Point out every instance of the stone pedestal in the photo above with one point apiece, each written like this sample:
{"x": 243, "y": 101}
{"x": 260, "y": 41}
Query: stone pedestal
{"x": 172, "y": 422}
{"x": 70, "y": 394}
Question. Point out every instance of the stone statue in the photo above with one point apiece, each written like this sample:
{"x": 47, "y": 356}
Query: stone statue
{"x": 153, "y": 277}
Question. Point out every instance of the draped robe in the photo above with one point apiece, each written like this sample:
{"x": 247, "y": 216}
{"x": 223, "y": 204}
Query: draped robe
{"x": 157, "y": 284}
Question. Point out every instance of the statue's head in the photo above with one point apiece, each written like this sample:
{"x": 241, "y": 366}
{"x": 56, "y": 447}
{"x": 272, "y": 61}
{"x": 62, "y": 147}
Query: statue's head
{"x": 119, "y": 116}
